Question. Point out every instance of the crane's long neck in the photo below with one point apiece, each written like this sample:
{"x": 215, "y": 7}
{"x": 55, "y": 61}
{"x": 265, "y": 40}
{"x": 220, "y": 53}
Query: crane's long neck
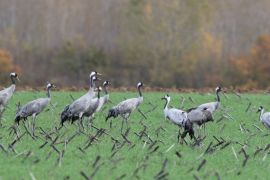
{"x": 49, "y": 92}
{"x": 98, "y": 95}
{"x": 218, "y": 98}
{"x": 12, "y": 80}
{"x": 139, "y": 90}
{"x": 105, "y": 89}
{"x": 261, "y": 113}
{"x": 92, "y": 84}
{"x": 166, "y": 104}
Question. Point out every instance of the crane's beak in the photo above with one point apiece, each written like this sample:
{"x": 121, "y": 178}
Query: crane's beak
{"x": 18, "y": 79}
{"x": 99, "y": 74}
{"x": 258, "y": 111}
{"x": 163, "y": 98}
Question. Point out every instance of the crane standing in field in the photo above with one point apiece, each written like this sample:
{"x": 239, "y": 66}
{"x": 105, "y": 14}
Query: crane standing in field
{"x": 100, "y": 100}
{"x": 178, "y": 117}
{"x": 34, "y": 108}
{"x": 211, "y": 106}
{"x": 264, "y": 117}
{"x": 126, "y": 107}
{"x": 6, "y": 94}
{"x": 204, "y": 112}
{"x": 199, "y": 117}
{"x": 76, "y": 109}
{"x": 92, "y": 107}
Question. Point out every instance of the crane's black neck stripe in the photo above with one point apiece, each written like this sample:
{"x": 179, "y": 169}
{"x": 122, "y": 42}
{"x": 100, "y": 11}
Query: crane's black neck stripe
{"x": 218, "y": 98}
{"x": 12, "y": 80}
{"x": 139, "y": 90}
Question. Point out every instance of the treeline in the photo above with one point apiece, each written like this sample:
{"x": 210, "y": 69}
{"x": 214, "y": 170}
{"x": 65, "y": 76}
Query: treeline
{"x": 174, "y": 43}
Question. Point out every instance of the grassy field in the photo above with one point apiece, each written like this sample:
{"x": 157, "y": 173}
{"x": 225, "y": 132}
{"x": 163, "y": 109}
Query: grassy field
{"x": 232, "y": 149}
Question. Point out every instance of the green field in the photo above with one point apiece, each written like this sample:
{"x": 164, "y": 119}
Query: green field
{"x": 156, "y": 154}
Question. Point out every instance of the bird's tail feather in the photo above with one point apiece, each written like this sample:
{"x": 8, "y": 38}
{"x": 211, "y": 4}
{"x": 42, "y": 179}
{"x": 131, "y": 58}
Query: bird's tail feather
{"x": 17, "y": 119}
{"x": 64, "y": 115}
{"x": 112, "y": 113}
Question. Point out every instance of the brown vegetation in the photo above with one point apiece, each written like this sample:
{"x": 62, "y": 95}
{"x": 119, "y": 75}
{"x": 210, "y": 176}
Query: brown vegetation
{"x": 6, "y": 65}
{"x": 175, "y": 43}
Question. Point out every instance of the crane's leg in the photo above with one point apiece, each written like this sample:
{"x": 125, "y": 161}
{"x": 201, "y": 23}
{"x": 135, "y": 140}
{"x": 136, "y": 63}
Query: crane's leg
{"x": 17, "y": 128}
{"x": 34, "y": 124}
{"x": 127, "y": 125}
{"x": 0, "y": 119}
{"x": 29, "y": 125}
{"x": 179, "y": 134}
{"x": 124, "y": 119}
{"x": 1, "y": 113}
{"x": 110, "y": 123}
{"x": 90, "y": 120}
{"x": 122, "y": 125}
{"x": 199, "y": 130}
{"x": 81, "y": 121}
{"x": 181, "y": 137}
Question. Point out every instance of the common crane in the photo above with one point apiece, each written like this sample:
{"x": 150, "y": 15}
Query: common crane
{"x": 178, "y": 117}
{"x": 7, "y": 93}
{"x": 34, "y": 108}
{"x": 79, "y": 106}
{"x": 126, "y": 107}
{"x": 102, "y": 100}
{"x": 203, "y": 113}
{"x": 199, "y": 116}
{"x": 264, "y": 117}
{"x": 211, "y": 106}
{"x": 92, "y": 107}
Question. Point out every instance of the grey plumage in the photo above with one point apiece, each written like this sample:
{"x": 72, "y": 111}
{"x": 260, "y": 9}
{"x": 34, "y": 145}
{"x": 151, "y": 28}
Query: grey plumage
{"x": 6, "y": 94}
{"x": 34, "y": 107}
{"x": 77, "y": 109}
{"x": 203, "y": 113}
{"x": 125, "y": 108}
{"x": 199, "y": 117}
{"x": 264, "y": 117}
{"x": 195, "y": 116}
{"x": 176, "y": 116}
{"x": 93, "y": 105}
{"x": 211, "y": 106}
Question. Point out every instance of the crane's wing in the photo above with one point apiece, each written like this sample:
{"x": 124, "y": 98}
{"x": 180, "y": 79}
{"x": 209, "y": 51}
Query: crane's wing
{"x": 128, "y": 105}
{"x": 29, "y": 109}
{"x": 177, "y": 116}
{"x": 92, "y": 107}
{"x": 3, "y": 97}
{"x": 199, "y": 116}
{"x": 35, "y": 106}
{"x": 266, "y": 119}
{"x": 211, "y": 106}
{"x": 79, "y": 105}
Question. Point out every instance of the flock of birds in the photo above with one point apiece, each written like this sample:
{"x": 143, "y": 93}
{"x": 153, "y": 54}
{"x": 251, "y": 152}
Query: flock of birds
{"x": 92, "y": 102}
